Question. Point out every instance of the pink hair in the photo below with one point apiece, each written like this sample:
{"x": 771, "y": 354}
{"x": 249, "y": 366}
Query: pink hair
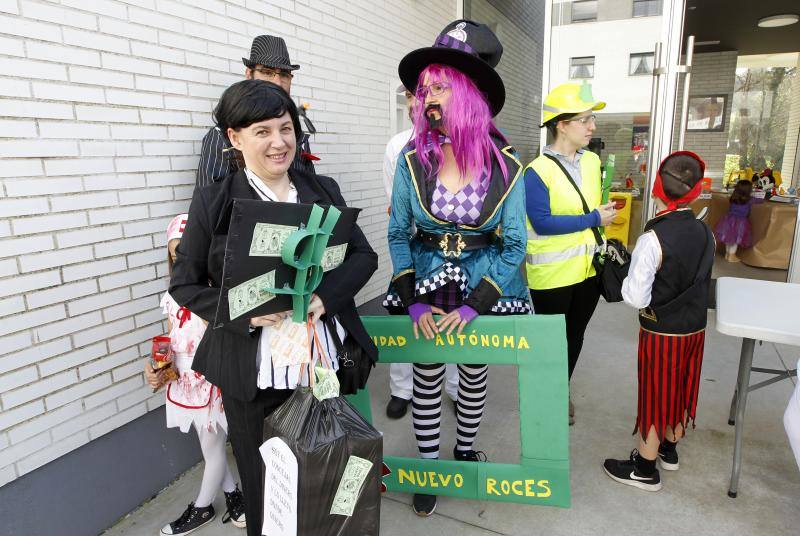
{"x": 468, "y": 122}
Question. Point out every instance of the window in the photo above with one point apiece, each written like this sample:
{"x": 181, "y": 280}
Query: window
{"x": 584, "y": 11}
{"x": 640, "y": 64}
{"x": 646, "y": 8}
{"x": 581, "y": 67}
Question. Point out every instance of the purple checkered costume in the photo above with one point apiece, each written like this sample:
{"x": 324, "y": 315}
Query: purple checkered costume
{"x": 463, "y": 208}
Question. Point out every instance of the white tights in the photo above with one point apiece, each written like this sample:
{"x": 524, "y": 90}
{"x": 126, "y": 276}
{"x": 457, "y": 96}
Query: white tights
{"x": 730, "y": 249}
{"x": 216, "y": 472}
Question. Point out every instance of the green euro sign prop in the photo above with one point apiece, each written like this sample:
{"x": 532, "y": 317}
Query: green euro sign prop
{"x": 537, "y": 345}
{"x": 303, "y": 250}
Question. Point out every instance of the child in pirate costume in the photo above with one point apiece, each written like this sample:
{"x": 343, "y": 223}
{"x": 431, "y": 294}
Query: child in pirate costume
{"x": 456, "y": 183}
{"x": 193, "y": 401}
{"x": 668, "y": 282}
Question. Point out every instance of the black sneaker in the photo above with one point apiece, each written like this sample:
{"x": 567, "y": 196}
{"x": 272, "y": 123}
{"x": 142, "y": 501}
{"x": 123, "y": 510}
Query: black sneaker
{"x": 424, "y": 505}
{"x": 235, "y": 512}
{"x": 624, "y": 472}
{"x": 397, "y": 407}
{"x": 469, "y": 455}
{"x": 668, "y": 460}
{"x": 191, "y": 520}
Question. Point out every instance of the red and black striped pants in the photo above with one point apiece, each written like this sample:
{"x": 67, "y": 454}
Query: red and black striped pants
{"x": 669, "y": 380}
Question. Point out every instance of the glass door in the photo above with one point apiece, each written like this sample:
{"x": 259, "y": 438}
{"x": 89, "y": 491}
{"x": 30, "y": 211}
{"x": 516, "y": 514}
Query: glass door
{"x": 740, "y": 110}
{"x": 629, "y": 51}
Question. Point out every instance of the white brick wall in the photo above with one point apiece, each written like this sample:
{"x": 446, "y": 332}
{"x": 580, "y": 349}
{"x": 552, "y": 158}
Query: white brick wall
{"x": 103, "y": 106}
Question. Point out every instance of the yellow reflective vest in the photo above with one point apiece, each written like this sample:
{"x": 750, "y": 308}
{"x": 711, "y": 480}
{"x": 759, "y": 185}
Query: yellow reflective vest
{"x": 554, "y": 261}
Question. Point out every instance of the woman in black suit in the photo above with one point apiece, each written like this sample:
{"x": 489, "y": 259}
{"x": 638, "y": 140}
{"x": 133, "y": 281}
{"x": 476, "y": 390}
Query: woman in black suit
{"x": 262, "y": 122}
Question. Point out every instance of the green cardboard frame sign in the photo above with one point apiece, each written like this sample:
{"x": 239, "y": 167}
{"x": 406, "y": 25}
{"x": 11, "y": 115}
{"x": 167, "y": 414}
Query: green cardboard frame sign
{"x": 537, "y": 346}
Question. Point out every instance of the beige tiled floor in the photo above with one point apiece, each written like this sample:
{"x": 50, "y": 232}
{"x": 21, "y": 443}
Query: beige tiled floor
{"x": 693, "y": 500}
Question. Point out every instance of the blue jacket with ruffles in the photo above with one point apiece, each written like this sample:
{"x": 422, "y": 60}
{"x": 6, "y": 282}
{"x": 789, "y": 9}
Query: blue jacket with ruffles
{"x": 490, "y": 277}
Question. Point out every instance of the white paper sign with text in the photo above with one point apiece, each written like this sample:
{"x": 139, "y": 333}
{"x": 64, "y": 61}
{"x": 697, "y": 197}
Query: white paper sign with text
{"x": 280, "y": 488}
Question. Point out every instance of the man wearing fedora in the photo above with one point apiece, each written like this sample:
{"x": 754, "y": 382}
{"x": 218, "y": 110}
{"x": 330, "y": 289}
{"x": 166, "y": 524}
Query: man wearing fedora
{"x": 268, "y": 61}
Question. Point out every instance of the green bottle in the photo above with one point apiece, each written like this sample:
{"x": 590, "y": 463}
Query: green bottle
{"x": 608, "y": 177}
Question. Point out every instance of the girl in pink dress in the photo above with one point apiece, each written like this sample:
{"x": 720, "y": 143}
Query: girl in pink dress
{"x": 191, "y": 400}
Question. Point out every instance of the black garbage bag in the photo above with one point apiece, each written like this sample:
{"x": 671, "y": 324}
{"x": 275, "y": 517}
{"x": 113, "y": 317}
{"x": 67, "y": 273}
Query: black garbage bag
{"x": 334, "y": 446}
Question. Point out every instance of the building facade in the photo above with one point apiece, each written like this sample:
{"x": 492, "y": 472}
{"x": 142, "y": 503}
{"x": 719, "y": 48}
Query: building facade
{"x": 103, "y": 105}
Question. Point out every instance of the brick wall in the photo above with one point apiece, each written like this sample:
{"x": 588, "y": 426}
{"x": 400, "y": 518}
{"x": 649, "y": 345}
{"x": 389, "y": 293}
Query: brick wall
{"x": 520, "y": 28}
{"x": 102, "y": 106}
{"x": 713, "y": 73}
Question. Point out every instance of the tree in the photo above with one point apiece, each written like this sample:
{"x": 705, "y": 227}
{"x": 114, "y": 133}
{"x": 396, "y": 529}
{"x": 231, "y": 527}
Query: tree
{"x": 759, "y": 118}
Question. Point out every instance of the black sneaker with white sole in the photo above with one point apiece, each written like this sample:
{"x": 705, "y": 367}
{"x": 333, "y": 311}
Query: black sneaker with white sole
{"x": 424, "y": 505}
{"x": 469, "y": 455}
{"x": 234, "y": 501}
{"x": 624, "y": 472}
{"x": 191, "y": 520}
{"x": 668, "y": 460}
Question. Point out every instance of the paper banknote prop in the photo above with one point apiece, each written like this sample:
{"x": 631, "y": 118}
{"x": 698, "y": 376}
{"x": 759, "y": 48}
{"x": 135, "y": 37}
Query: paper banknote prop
{"x": 276, "y": 255}
{"x": 355, "y": 473}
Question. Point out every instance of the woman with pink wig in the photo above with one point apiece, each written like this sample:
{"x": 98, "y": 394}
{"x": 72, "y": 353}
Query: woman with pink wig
{"x": 455, "y": 186}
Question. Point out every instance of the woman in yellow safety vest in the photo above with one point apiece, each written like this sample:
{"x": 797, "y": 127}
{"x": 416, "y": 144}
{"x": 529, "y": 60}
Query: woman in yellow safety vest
{"x": 561, "y": 242}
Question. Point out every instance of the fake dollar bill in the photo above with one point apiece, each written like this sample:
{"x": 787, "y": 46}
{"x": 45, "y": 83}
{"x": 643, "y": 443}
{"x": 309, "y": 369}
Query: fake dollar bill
{"x": 355, "y": 473}
{"x": 250, "y": 294}
{"x": 268, "y": 239}
{"x": 333, "y": 257}
{"x": 327, "y": 384}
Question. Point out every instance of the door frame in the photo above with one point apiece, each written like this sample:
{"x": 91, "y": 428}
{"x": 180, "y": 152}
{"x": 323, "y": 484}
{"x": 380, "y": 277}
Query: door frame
{"x": 664, "y": 91}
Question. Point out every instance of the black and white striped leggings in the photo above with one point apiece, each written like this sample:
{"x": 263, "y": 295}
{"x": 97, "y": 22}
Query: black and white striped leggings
{"x": 426, "y": 405}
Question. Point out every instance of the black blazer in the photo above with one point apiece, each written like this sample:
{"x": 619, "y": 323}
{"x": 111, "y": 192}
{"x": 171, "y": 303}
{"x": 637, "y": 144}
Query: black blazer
{"x": 226, "y": 356}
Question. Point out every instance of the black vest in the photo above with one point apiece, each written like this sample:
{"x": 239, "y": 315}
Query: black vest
{"x": 685, "y": 241}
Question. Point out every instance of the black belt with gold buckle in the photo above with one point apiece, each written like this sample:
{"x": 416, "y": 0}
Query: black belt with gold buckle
{"x": 453, "y": 244}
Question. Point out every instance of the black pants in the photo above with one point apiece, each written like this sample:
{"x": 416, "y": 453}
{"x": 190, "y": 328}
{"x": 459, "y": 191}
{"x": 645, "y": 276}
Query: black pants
{"x": 246, "y": 430}
{"x": 577, "y": 303}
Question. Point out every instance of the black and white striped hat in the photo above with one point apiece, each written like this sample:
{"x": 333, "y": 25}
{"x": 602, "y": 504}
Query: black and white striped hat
{"x": 269, "y": 51}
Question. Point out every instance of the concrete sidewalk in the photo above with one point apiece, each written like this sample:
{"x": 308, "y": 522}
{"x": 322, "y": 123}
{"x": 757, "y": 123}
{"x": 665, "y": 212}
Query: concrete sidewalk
{"x": 693, "y": 501}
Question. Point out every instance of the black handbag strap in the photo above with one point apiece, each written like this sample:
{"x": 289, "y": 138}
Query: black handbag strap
{"x": 595, "y": 230}
{"x": 703, "y": 269}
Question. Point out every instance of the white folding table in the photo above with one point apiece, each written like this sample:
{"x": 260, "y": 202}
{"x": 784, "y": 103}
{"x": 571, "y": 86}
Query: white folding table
{"x": 756, "y": 311}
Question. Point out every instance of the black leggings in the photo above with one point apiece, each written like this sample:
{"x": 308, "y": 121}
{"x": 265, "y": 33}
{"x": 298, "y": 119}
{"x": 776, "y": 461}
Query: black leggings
{"x": 577, "y": 303}
{"x": 246, "y": 430}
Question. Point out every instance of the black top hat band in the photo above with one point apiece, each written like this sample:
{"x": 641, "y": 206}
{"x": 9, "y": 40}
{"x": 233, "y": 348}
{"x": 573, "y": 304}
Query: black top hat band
{"x": 471, "y": 48}
{"x": 445, "y": 40}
